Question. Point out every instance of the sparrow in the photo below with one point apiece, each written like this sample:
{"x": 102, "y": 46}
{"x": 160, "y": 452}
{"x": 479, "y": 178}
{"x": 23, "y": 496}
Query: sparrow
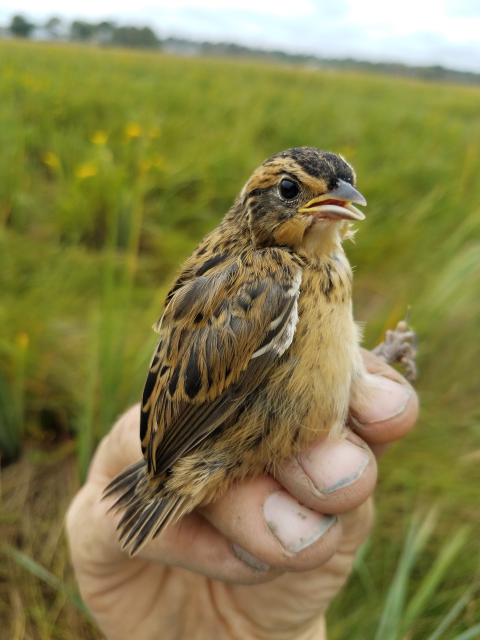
{"x": 258, "y": 350}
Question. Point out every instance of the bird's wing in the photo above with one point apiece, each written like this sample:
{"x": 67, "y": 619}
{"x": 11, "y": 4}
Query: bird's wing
{"x": 219, "y": 336}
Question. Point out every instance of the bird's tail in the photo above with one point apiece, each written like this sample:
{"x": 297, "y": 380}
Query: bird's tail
{"x": 147, "y": 510}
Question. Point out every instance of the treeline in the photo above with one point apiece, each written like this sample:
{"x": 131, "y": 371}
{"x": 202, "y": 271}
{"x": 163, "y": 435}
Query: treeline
{"x": 435, "y": 73}
{"x": 109, "y": 34}
{"x": 103, "y": 33}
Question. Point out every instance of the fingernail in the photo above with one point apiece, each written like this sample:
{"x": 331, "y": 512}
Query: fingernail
{"x": 383, "y": 400}
{"x": 333, "y": 465}
{"x": 246, "y": 557}
{"x": 294, "y": 526}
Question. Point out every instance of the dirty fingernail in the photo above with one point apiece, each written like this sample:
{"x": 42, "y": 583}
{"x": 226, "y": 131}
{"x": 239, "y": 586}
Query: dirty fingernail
{"x": 384, "y": 400}
{"x": 334, "y": 465}
{"x": 246, "y": 557}
{"x": 294, "y": 526}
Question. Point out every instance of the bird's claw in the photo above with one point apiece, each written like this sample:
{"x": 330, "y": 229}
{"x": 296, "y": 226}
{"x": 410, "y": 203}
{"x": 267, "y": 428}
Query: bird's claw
{"x": 400, "y": 345}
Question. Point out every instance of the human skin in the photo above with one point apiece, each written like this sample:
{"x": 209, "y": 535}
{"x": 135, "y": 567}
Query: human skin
{"x": 260, "y": 563}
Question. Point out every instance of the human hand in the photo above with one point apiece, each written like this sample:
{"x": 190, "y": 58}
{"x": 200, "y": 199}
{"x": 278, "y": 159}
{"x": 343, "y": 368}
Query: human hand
{"x": 263, "y": 562}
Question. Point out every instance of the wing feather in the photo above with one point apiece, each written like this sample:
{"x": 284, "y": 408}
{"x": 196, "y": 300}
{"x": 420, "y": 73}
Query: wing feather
{"x": 220, "y": 335}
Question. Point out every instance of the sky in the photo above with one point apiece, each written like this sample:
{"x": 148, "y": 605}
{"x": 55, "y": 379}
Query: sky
{"x": 418, "y": 32}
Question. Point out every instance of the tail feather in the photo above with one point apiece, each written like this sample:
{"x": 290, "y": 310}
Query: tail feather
{"x": 147, "y": 509}
{"x": 147, "y": 533}
{"x": 147, "y": 524}
{"x": 135, "y": 524}
{"x": 124, "y": 500}
{"x": 125, "y": 523}
{"x": 135, "y": 470}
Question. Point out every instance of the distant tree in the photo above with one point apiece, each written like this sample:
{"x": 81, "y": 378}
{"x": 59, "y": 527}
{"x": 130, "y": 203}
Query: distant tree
{"x": 20, "y": 27}
{"x": 135, "y": 37}
{"x": 80, "y": 30}
{"x": 53, "y": 27}
{"x": 104, "y": 32}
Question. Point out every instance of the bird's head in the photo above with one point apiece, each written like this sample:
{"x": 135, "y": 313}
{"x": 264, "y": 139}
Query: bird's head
{"x": 302, "y": 198}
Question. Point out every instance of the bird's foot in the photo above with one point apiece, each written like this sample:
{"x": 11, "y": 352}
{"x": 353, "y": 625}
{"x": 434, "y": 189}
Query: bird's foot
{"x": 400, "y": 346}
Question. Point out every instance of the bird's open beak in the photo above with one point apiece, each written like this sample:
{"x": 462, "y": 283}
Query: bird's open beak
{"x": 337, "y": 203}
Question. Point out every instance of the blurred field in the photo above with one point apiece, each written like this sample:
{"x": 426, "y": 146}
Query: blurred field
{"x": 113, "y": 165}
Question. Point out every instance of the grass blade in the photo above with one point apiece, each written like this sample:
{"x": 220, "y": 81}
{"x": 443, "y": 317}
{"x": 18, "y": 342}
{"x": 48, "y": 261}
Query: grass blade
{"x": 417, "y": 537}
{"x": 453, "y": 613}
{"x": 10, "y": 421}
{"x": 362, "y": 570}
{"x": 474, "y": 632}
{"x": 43, "y": 574}
{"x": 86, "y": 419}
{"x": 434, "y": 577}
{"x": 12, "y": 397}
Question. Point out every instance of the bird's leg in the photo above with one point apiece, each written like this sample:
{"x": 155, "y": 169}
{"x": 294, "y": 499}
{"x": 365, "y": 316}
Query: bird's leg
{"x": 400, "y": 346}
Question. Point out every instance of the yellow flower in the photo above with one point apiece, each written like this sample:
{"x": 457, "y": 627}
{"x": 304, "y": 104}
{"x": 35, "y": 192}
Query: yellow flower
{"x": 51, "y": 159}
{"x": 86, "y": 170}
{"x": 99, "y": 137}
{"x": 154, "y": 132}
{"x": 133, "y": 130}
{"x": 22, "y": 340}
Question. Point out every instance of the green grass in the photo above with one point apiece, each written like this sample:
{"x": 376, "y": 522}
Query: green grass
{"x": 12, "y": 396}
{"x": 114, "y": 164}
{"x": 397, "y": 619}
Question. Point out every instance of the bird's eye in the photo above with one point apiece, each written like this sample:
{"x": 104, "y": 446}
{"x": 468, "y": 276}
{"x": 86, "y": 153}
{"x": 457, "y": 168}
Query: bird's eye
{"x": 288, "y": 189}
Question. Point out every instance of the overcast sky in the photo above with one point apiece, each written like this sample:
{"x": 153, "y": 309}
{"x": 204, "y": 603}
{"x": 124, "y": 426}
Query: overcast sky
{"x": 424, "y": 32}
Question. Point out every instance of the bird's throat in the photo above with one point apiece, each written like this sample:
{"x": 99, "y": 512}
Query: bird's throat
{"x": 322, "y": 238}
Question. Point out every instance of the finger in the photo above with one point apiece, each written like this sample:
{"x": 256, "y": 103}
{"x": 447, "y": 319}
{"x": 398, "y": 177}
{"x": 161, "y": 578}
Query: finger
{"x": 192, "y": 543}
{"x": 195, "y": 544}
{"x": 299, "y": 599}
{"x": 266, "y": 522}
{"x": 331, "y": 476}
{"x": 384, "y": 406}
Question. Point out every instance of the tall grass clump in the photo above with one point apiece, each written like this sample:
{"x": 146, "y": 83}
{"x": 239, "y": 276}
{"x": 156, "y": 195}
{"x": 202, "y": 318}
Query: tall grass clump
{"x": 412, "y": 609}
{"x": 12, "y": 396}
